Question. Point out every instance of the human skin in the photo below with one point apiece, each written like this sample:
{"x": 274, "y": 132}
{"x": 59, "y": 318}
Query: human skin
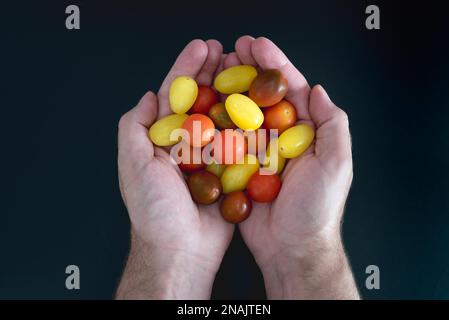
{"x": 177, "y": 246}
{"x": 296, "y": 239}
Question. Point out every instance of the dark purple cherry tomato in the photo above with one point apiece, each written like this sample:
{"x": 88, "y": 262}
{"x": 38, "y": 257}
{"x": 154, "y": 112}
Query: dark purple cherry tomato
{"x": 235, "y": 207}
{"x": 205, "y": 187}
{"x": 268, "y": 88}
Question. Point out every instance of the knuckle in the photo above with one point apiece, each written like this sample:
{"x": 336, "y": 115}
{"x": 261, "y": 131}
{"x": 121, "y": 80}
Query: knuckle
{"x": 342, "y": 117}
{"x": 148, "y": 97}
{"x": 123, "y": 120}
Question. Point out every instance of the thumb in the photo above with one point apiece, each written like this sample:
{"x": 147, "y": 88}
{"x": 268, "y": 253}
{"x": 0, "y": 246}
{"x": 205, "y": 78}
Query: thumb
{"x": 133, "y": 127}
{"x": 333, "y": 140}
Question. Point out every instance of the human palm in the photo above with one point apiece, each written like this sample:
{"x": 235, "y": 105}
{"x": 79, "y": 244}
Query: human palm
{"x": 179, "y": 245}
{"x": 315, "y": 185}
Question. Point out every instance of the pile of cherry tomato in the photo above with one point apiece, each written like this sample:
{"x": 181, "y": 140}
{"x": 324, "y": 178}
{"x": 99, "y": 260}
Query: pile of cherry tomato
{"x": 254, "y": 101}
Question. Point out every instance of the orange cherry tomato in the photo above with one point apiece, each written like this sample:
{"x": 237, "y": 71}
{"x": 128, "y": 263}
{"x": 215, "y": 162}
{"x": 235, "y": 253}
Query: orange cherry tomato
{"x": 281, "y": 116}
{"x": 229, "y": 146}
{"x": 264, "y": 188}
{"x": 268, "y": 88}
{"x": 193, "y": 161}
{"x": 200, "y": 129}
{"x": 235, "y": 207}
{"x": 205, "y": 187}
{"x": 206, "y": 98}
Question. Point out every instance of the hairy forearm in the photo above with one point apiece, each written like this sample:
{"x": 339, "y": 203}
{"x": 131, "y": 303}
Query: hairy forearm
{"x": 317, "y": 270}
{"x": 154, "y": 273}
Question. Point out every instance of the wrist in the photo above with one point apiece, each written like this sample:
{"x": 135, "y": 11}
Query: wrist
{"x": 317, "y": 269}
{"x": 153, "y": 272}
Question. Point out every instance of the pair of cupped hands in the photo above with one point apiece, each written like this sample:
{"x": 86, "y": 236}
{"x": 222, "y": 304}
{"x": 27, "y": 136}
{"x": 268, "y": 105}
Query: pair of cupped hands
{"x": 177, "y": 246}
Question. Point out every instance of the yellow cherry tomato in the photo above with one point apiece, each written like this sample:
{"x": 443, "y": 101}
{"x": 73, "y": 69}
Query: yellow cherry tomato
{"x": 236, "y": 79}
{"x": 244, "y": 112}
{"x": 295, "y": 141}
{"x": 183, "y": 93}
{"x": 273, "y": 163}
{"x": 216, "y": 168}
{"x": 160, "y": 131}
{"x": 236, "y": 176}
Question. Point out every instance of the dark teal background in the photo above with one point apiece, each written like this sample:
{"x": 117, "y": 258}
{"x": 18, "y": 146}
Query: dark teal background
{"x": 62, "y": 93}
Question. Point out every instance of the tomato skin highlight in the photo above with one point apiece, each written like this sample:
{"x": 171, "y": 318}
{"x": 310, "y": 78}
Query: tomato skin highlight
{"x": 182, "y": 94}
{"x": 205, "y": 129}
{"x": 268, "y": 88}
{"x": 295, "y": 140}
{"x": 220, "y": 116}
{"x": 229, "y": 147}
{"x": 281, "y": 116}
{"x": 204, "y": 187}
{"x": 235, "y": 79}
{"x": 264, "y": 188}
{"x": 206, "y": 98}
{"x": 235, "y": 207}
{"x": 244, "y": 112}
{"x": 160, "y": 131}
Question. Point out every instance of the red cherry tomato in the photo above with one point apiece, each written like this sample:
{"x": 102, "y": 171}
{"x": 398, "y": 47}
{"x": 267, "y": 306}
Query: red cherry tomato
{"x": 235, "y": 207}
{"x": 200, "y": 129}
{"x": 205, "y": 187}
{"x": 264, "y": 188}
{"x": 268, "y": 88}
{"x": 188, "y": 164}
{"x": 281, "y": 116}
{"x": 229, "y": 146}
{"x": 204, "y": 101}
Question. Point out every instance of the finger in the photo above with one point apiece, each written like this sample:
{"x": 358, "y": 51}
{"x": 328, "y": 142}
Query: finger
{"x": 333, "y": 140}
{"x": 134, "y": 125}
{"x": 243, "y": 50}
{"x": 206, "y": 75}
{"x": 222, "y": 97}
{"x": 221, "y": 64}
{"x": 269, "y": 56}
{"x": 189, "y": 63}
{"x": 231, "y": 60}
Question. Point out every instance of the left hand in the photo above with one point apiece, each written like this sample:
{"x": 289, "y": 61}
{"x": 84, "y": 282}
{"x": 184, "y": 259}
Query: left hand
{"x": 296, "y": 238}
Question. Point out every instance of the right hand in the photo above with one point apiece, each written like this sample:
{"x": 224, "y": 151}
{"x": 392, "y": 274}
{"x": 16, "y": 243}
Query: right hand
{"x": 177, "y": 246}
